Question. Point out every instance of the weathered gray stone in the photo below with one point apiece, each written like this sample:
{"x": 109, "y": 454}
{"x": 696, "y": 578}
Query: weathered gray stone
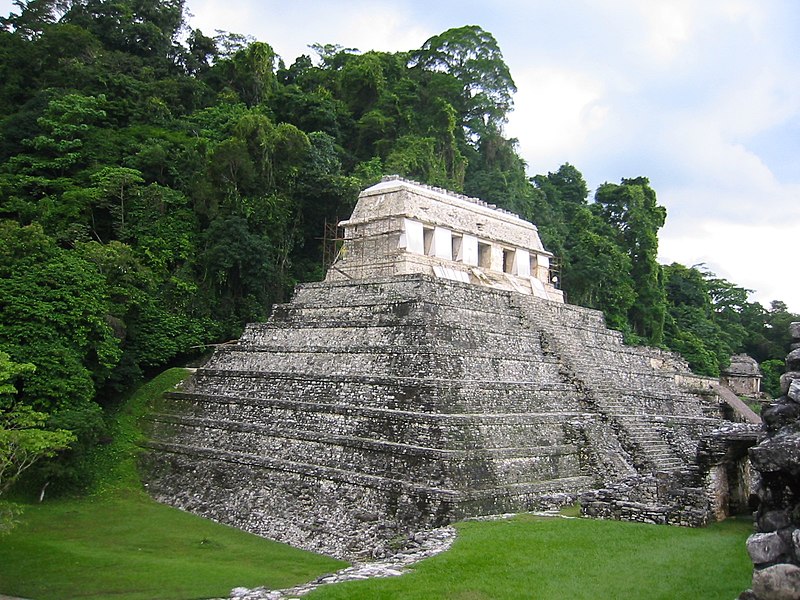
{"x": 743, "y": 376}
{"x": 794, "y": 391}
{"x": 781, "y": 452}
{"x": 778, "y": 415}
{"x": 765, "y": 547}
{"x": 794, "y": 330}
{"x": 388, "y": 399}
{"x": 778, "y": 582}
{"x": 777, "y": 461}
{"x": 773, "y": 520}
{"x": 418, "y": 401}
{"x": 787, "y": 379}
{"x": 793, "y": 360}
{"x": 401, "y": 227}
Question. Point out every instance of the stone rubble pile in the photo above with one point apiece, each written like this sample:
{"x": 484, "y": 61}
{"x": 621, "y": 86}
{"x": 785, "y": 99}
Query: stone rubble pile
{"x": 418, "y": 546}
{"x": 775, "y": 547}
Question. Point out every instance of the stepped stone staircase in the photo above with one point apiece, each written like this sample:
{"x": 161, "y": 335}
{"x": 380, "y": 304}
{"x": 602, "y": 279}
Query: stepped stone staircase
{"x": 366, "y": 409}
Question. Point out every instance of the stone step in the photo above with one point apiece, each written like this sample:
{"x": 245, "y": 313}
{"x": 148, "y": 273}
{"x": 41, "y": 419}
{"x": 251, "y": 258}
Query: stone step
{"x": 429, "y": 396}
{"x": 446, "y": 431}
{"x": 430, "y": 466}
{"x": 388, "y": 364}
{"x": 432, "y": 490}
{"x": 560, "y": 485}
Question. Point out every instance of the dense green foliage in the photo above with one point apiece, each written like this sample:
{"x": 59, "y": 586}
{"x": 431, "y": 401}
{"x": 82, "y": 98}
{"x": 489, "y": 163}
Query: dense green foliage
{"x": 160, "y": 187}
{"x": 23, "y": 438}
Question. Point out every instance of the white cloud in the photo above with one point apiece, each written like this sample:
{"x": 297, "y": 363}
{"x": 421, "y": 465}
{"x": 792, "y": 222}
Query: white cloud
{"x": 213, "y": 15}
{"x": 669, "y": 26}
{"x": 290, "y": 27}
{"x": 556, "y": 111}
{"x": 769, "y": 99}
{"x": 751, "y": 256}
{"x": 385, "y": 27}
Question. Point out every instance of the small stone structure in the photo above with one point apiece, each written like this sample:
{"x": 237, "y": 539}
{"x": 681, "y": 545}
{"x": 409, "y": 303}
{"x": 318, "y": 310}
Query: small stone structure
{"x": 413, "y": 388}
{"x": 663, "y": 498}
{"x": 775, "y": 547}
{"x": 743, "y": 376}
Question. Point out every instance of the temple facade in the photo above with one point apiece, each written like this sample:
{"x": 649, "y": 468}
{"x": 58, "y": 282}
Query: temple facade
{"x": 399, "y": 227}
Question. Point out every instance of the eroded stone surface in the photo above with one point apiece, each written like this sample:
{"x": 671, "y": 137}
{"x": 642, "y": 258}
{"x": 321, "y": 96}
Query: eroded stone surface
{"x": 787, "y": 379}
{"x": 416, "y": 401}
{"x": 777, "y": 458}
{"x": 794, "y": 391}
{"x": 793, "y": 360}
{"x": 436, "y": 374}
{"x": 778, "y": 582}
{"x": 779, "y": 453}
{"x": 400, "y": 227}
{"x": 765, "y": 547}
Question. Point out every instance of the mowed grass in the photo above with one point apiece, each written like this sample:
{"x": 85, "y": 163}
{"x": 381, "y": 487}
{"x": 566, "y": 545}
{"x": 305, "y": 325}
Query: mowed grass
{"x": 556, "y": 559}
{"x": 127, "y": 546}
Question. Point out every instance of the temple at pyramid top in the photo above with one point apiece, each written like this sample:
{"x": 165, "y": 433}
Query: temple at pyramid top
{"x": 400, "y": 227}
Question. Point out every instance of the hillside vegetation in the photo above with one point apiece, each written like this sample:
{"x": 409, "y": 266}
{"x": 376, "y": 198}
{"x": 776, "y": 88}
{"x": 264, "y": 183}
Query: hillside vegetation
{"x": 160, "y": 187}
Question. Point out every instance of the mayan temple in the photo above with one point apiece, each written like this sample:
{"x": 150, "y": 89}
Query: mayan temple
{"x": 435, "y": 374}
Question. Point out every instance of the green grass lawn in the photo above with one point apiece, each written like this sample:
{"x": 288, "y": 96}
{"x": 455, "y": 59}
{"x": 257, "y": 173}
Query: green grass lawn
{"x": 556, "y": 559}
{"x": 116, "y": 543}
{"x": 126, "y": 546}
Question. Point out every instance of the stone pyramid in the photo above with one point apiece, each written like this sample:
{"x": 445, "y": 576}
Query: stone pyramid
{"x": 370, "y": 407}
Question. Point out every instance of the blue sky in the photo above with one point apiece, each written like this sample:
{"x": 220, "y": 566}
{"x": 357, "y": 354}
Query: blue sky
{"x": 702, "y": 97}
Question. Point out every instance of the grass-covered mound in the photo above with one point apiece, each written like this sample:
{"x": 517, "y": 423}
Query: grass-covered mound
{"x": 118, "y": 543}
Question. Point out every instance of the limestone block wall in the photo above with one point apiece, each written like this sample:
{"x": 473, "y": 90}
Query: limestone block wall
{"x": 363, "y": 410}
{"x": 658, "y": 498}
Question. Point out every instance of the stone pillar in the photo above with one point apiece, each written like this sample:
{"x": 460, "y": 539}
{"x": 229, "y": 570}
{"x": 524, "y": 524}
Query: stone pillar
{"x": 719, "y": 491}
{"x": 775, "y": 548}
